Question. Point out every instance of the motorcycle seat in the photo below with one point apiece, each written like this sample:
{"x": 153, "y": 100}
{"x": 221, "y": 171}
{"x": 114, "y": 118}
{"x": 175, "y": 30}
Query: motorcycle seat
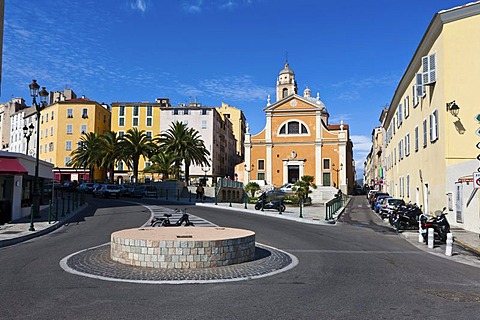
{"x": 168, "y": 215}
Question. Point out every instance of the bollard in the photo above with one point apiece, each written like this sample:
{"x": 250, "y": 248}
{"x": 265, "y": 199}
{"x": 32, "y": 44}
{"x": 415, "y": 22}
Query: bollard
{"x": 216, "y": 200}
{"x": 49, "y": 211}
{"x": 431, "y": 240}
{"x": 32, "y": 228}
{"x": 245, "y": 200}
{"x": 301, "y": 208}
{"x": 420, "y": 233}
{"x": 449, "y": 247}
{"x": 56, "y": 208}
{"x": 230, "y": 197}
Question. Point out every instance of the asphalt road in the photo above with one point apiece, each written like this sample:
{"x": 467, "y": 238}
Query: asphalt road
{"x": 353, "y": 270}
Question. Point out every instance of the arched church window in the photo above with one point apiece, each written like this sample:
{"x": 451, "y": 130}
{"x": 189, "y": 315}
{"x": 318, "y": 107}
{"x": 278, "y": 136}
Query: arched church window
{"x": 293, "y": 127}
{"x": 285, "y": 93}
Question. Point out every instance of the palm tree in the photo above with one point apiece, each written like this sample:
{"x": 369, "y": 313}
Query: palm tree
{"x": 135, "y": 144}
{"x": 302, "y": 187}
{"x": 185, "y": 144}
{"x": 111, "y": 151}
{"x": 87, "y": 154}
{"x": 162, "y": 163}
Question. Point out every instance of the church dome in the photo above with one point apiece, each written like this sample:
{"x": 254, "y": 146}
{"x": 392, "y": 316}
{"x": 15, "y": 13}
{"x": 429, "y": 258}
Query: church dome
{"x": 286, "y": 70}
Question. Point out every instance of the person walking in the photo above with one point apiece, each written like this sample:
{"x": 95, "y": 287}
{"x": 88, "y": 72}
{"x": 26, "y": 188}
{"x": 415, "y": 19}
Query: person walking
{"x": 200, "y": 192}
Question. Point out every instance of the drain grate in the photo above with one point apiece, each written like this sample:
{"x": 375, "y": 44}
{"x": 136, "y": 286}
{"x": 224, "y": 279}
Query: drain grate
{"x": 10, "y": 232}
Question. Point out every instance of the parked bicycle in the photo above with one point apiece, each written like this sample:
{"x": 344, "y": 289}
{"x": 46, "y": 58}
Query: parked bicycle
{"x": 165, "y": 220}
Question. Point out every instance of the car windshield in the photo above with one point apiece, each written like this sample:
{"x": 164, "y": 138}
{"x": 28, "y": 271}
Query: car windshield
{"x": 396, "y": 202}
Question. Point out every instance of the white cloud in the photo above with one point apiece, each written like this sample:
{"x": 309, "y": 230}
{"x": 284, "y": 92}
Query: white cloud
{"x": 193, "y": 6}
{"x": 361, "y": 149}
{"x": 139, "y": 5}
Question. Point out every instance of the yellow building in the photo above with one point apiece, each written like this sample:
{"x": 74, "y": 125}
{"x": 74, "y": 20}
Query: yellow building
{"x": 433, "y": 122}
{"x": 62, "y": 124}
{"x": 237, "y": 118}
{"x": 140, "y": 115}
{"x": 298, "y": 140}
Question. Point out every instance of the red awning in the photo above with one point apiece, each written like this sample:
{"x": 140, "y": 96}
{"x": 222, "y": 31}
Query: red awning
{"x": 11, "y": 166}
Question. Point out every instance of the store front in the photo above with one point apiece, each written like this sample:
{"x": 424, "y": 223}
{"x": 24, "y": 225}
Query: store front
{"x": 17, "y": 177}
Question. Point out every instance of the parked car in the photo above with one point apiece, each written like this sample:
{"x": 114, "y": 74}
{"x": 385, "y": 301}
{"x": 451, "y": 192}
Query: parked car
{"x": 107, "y": 190}
{"x": 144, "y": 191}
{"x": 375, "y": 197}
{"x": 381, "y": 203}
{"x": 391, "y": 204}
{"x": 87, "y": 187}
{"x": 288, "y": 188}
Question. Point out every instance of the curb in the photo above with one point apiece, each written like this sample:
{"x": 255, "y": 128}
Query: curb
{"x": 268, "y": 214}
{"x": 466, "y": 246}
{"x": 34, "y": 234}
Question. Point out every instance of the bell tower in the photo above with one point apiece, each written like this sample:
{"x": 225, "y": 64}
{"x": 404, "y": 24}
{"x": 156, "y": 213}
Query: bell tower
{"x": 286, "y": 84}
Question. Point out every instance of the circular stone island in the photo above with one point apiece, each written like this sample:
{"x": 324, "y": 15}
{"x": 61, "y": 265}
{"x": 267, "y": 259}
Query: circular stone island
{"x": 182, "y": 247}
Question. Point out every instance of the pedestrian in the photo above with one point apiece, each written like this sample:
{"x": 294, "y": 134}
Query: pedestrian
{"x": 200, "y": 191}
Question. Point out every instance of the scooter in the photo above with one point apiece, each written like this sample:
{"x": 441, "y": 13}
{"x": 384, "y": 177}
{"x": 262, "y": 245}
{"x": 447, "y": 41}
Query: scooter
{"x": 165, "y": 220}
{"x": 407, "y": 217}
{"x": 276, "y": 204}
{"x": 439, "y": 224}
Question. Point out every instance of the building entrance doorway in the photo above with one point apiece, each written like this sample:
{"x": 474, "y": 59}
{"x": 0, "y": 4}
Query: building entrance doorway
{"x": 293, "y": 173}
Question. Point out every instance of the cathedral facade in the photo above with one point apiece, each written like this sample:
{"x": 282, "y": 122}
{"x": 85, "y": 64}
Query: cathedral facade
{"x": 298, "y": 140}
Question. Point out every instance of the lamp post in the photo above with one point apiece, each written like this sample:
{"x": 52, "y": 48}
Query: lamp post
{"x": 34, "y": 93}
{"x": 27, "y": 133}
{"x": 337, "y": 171}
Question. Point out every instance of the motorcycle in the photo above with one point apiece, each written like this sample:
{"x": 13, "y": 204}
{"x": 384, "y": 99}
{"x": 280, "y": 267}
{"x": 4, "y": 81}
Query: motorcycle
{"x": 272, "y": 203}
{"x": 406, "y": 217}
{"x": 439, "y": 224}
{"x": 165, "y": 220}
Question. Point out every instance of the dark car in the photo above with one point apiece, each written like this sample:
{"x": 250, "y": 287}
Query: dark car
{"x": 144, "y": 191}
{"x": 87, "y": 187}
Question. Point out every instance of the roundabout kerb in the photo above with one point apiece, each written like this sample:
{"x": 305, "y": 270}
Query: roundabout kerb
{"x": 182, "y": 248}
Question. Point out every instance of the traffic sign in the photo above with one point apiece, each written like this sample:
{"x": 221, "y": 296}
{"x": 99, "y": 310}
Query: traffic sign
{"x": 476, "y": 180}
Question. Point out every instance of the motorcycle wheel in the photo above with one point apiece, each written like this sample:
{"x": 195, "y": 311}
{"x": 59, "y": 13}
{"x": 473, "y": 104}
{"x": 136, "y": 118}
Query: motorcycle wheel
{"x": 257, "y": 206}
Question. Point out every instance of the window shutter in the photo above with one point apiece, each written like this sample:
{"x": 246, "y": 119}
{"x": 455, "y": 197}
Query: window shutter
{"x": 429, "y": 64}
{"x": 419, "y": 86}
{"x": 407, "y": 111}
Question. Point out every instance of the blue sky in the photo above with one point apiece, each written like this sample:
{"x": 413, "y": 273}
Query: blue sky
{"x": 352, "y": 52}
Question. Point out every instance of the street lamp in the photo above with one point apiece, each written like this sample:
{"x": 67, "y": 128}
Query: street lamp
{"x": 248, "y": 173}
{"x": 27, "y": 133}
{"x": 34, "y": 93}
{"x": 207, "y": 168}
{"x": 337, "y": 171}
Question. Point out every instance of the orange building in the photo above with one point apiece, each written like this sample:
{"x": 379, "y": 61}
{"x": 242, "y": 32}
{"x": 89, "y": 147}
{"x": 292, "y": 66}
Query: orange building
{"x": 298, "y": 140}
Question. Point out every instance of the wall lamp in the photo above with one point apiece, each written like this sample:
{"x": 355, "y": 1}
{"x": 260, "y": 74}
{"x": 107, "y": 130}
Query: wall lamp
{"x": 453, "y": 108}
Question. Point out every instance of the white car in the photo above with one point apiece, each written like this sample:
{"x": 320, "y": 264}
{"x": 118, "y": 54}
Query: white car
{"x": 288, "y": 188}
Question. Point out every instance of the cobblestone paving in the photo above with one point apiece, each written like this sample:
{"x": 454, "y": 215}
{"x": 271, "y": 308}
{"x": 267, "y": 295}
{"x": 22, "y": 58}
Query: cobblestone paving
{"x": 96, "y": 262}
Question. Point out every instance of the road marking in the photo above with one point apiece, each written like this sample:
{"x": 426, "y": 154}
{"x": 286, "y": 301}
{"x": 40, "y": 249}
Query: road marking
{"x": 352, "y": 252}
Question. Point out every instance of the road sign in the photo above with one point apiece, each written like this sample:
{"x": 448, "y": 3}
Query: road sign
{"x": 476, "y": 180}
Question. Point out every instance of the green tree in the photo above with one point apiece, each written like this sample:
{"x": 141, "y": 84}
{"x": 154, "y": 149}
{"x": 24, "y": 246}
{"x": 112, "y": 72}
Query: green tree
{"x": 111, "y": 152}
{"x": 87, "y": 154}
{"x": 163, "y": 163}
{"x": 135, "y": 144}
{"x": 302, "y": 187}
{"x": 252, "y": 187}
{"x": 185, "y": 145}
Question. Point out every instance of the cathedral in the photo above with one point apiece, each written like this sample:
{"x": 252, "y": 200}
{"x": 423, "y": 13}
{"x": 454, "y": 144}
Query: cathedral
{"x": 298, "y": 140}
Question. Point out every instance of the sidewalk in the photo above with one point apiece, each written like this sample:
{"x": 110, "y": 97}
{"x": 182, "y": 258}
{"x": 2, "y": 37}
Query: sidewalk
{"x": 18, "y": 231}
